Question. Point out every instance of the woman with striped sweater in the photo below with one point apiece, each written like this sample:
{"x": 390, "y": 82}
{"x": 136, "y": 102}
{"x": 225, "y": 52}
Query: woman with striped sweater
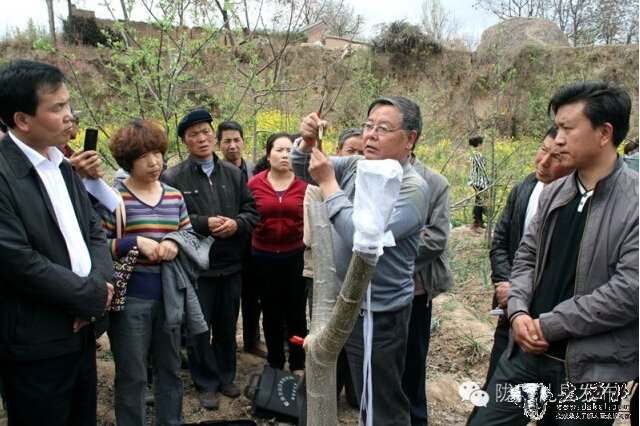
{"x": 153, "y": 210}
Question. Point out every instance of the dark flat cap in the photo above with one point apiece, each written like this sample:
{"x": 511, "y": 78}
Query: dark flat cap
{"x": 194, "y": 117}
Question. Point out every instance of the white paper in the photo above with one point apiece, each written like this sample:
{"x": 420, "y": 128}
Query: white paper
{"x": 103, "y": 192}
{"x": 377, "y": 190}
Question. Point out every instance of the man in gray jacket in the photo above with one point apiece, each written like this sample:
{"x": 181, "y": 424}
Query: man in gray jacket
{"x": 573, "y": 301}
{"x": 431, "y": 277}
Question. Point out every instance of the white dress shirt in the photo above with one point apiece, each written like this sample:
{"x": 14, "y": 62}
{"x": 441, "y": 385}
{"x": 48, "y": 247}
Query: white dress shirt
{"x": 49, "y": 171}
{"x": 532, "y": 207}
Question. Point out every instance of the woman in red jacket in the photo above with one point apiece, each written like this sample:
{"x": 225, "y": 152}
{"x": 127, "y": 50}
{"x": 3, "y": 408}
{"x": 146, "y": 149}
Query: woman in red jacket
{"x": 277, "y": 249}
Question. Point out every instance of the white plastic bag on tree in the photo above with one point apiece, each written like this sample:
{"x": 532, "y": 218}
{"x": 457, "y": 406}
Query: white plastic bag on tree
{"x": 377, "y": 190}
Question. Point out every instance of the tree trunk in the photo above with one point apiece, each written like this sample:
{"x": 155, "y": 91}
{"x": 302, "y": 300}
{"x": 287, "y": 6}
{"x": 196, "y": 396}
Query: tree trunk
{"x": 125, "y": 14}
{"x": 52, "y": 22}
{"x": 331, "y": 325}
{"x": 225, "y": 22}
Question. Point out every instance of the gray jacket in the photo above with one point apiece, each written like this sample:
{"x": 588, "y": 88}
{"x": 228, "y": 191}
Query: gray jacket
{"x": 432, "y": 263}
{"x": 392, "y": 282}
{"x": 177, "y": 291}
{"x": 601, "y": 319}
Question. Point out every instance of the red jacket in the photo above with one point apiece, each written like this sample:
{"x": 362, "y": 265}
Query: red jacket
{"x": 281, "y": 219}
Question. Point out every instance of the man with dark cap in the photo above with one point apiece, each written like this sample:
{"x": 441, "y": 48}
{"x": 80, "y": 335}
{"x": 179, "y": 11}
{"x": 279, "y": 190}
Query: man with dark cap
{"x": 220, "y": 204}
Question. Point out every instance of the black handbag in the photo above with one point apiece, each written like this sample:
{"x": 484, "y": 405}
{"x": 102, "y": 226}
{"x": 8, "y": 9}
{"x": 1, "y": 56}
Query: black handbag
{"x": 123, "y": 267}
{"x": 122, "y": 272}
{"x": 275, "y": 395}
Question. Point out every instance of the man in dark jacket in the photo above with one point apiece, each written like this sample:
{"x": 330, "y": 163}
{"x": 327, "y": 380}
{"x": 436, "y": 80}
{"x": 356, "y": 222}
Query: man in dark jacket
{"x": 573, "y": 296}
{"x": 54, "y": 258}
{"x": 432, "y": 276}
{"x": 230, "y": 136}
{"x": 221, "y": 205}
{"x": 520, "y": 208}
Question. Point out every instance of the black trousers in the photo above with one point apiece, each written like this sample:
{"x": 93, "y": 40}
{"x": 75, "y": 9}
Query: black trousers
{"x": 500, "y": 343}
{"x": 250, "y": 302}
{"x": 526, "y": 368}
{"x": 283, "y": 299}
{"x": 390, "y": 332}
{"x": 212, "y": 357}
{"x": 415, "y": 367}
{"x": 53, "y": 391}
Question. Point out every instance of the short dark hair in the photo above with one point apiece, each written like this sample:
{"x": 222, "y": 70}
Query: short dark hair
{"x": 476, "y": 141}
{"x": 272, "y": 138}
{"x": 347, "y": 134}
{"x": 261, "y": 165}
{"x": 551, "y": 132}
{"x": 409, "y": 110}
{"x": 228, "y": 125}
{"x": 603, "y": 103}
{"x": 20, "y": 82}
{"x": 136, "y": 139}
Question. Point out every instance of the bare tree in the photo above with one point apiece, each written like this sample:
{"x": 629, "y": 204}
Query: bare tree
{"x": 616, "y": 21}
{"x": 630, "y": 30}
{"x": 52, "y": 22}
{"x": 338, "y": 16}
{"x": 583, "y": 21}
{"x": 225, "y": 18}
{"x": 437, "y": 21}
{"x": 341, "y": 19}
{"x": 505, "y": 9}
{"x": 578, "y": 17}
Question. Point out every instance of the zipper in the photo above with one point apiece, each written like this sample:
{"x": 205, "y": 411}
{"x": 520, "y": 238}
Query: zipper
{"x": 575, "y": 282}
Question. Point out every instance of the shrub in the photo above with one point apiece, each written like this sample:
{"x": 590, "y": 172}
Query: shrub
{"x": 405, "y": 42}
{"x": 85, "y": 30}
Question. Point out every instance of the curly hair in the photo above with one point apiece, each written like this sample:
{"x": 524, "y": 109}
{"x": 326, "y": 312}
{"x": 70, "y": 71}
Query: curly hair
{"x": 136, "y": 139}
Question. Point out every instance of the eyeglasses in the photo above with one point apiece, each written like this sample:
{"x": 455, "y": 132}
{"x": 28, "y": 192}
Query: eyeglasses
{"x": 382, "y": 129}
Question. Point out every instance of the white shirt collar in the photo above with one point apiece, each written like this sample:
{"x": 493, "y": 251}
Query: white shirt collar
{"x": 34, "y": 156}
{"x": 585, "y": 194}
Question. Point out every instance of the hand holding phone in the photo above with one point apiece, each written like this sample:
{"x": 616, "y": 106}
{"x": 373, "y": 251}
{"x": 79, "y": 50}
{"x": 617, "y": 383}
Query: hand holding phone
{"x": 90, "y": 139}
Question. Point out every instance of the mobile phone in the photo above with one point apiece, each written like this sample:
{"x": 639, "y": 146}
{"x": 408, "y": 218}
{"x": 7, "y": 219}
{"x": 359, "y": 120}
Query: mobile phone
{"x": 90, "y": 139}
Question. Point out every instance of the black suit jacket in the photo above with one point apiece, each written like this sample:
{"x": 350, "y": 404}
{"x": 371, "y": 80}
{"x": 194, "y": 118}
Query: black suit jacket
{"x": 39, "y": 294}
{"x": 510, "y": 228}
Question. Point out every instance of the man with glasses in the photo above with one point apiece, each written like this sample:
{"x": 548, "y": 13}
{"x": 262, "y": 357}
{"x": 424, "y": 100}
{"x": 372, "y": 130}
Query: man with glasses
{"x": 393, "y": 126}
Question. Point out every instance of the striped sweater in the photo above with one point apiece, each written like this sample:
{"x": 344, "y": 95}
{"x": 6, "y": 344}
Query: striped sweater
{"x": 168, "y": 215}
{"x": 478, "y": 176}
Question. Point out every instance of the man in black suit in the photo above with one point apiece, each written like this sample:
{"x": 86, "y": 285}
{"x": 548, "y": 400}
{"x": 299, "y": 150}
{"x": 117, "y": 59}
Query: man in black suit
{"x": 54, "y": 261}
